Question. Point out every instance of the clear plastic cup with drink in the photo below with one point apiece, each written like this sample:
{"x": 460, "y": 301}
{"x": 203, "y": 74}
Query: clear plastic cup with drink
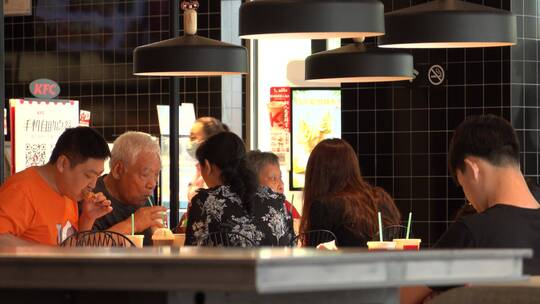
{"x": 179, "y": 239}
{"x": 381, "y": 246}
{"x": 407, "y": 244}
{"x": 163, "y": 237}
{"x": 136, "y": 239}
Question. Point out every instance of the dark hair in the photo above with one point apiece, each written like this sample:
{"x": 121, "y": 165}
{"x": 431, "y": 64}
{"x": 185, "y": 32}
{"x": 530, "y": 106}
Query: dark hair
{"x": 79, "y": 144}
{"x": 257, "y": 160}
{"x": 212, "y": 126}
{"x": 226, "y": 150}
{"x": 333, "y": 175}
{"x": 489, "y": 137}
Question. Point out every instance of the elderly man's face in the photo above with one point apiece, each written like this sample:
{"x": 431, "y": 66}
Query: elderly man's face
{"x": 139, "y": 178}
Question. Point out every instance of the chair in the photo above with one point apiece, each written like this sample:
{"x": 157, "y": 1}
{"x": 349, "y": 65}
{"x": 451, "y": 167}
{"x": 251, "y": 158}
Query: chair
{"x": 312, "y": 238}
{"x": 226, "y": 239}
{"x": 393, "y": 232}
{"x": 97, "y": 239}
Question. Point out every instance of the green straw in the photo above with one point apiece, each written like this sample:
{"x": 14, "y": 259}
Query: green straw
{"x": 380, "y": 226}
{"x": 150, "y": 202}
{"x": 409, "y": 224}
{"x": 132, "y": 224}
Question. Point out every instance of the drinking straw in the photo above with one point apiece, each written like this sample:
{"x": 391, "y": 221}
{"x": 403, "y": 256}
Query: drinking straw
{"x": 132, "y": 224}
{"x": 292, "y": 203}
{"x": 380, "y": 226}
{"x": 150, "y": 201}
{"x": 409, "y": 224}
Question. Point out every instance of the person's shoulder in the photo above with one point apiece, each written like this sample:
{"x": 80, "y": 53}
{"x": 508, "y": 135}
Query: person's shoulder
{"x": 267, "y": 194}
{"x": 489, "y": 217}
{"x": 26, "y": 179}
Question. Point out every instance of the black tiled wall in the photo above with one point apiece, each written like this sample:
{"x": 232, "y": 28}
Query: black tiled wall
{"x": 87, "y": 47}
{"x": 401, "y": 130}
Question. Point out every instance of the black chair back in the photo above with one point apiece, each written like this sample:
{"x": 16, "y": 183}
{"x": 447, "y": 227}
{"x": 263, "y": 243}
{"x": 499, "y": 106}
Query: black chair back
{"x": 226, "y": 239}
{"x": 97, "y": 239}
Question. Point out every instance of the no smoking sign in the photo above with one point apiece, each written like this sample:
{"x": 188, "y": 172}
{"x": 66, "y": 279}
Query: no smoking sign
{"x": 436, "y": 74}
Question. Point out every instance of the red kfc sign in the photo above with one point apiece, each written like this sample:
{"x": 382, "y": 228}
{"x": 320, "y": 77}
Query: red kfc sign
{"x": 44, "y": 88}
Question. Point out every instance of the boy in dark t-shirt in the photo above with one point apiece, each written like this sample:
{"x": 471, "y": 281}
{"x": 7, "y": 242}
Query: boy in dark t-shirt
{"x": 484, "y": 160}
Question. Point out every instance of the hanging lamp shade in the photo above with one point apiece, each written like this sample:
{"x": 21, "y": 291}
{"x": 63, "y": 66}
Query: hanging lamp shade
{"x": 449, "y": 24}
{"x": 189, "y": 55}
{"x": 359, "y": 63}
{"x": 313, "y": 19}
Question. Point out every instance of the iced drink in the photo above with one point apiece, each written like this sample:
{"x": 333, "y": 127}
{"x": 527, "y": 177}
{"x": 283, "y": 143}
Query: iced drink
{"x": 373, "y": 245}
{"x": 179, "y": 239}
{"x": 407, "y": 244}
{"x": 163, "y": 237}
{"x": 277, "y": 114}
{"x": 137, "y": 239}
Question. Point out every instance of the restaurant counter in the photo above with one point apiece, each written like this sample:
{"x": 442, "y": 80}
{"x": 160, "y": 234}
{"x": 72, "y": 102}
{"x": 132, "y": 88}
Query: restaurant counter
{"x": 266, "y": 275}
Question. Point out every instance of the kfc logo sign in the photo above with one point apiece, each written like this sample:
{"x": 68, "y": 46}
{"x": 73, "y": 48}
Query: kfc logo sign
{"x": 44, "y": 88}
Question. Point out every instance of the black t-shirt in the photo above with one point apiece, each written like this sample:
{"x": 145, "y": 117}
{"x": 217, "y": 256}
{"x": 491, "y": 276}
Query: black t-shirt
{"x": 119, "y": 213}
{"x": 501, "y": 226}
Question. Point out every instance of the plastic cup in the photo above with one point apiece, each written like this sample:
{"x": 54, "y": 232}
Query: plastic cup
{"x": 407, "y": 244}
{"x": 163, "y": 237}
{"x": 381, "y": 246}
{"x": 137, "y": 239}
{"x": 179, "y": 239}
{"x": 277, "y": 114}
{"x": 162, "y": 242}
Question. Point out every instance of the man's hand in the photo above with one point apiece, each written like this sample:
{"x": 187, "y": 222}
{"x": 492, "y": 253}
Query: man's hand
{"x": 94, "y": 206}
{"x": 146, "y": 217}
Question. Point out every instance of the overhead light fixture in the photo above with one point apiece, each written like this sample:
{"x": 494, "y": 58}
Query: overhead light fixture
{"x": 449, "y": 24}
{"x": 189, "y": 55}
{"x": 357, "y": 62}
{"x": 312, "y": 19}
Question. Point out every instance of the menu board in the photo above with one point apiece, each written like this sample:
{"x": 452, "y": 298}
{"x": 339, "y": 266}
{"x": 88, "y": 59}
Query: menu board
{"x": 35, "y": 126}
{"x": 316, "y": 115}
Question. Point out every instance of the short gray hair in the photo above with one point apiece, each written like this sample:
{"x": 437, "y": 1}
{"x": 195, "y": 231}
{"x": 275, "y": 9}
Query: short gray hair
{"x": 257, "y": 160}
{"x": 127, "y": 147}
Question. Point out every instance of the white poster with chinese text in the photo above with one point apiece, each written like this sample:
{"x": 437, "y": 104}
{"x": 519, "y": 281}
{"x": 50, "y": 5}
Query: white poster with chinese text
{"x": 35, "y": 128}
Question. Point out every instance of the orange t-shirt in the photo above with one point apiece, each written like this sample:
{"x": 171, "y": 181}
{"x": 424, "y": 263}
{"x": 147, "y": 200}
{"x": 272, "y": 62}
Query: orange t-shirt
{"x": 31, "y": 210}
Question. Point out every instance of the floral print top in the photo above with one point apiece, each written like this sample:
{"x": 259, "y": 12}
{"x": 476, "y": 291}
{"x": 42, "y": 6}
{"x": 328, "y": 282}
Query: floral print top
{"x": 219, "y": 209}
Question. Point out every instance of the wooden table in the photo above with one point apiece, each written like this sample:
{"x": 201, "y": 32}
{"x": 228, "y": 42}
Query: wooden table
{"x": 266, "y": 275}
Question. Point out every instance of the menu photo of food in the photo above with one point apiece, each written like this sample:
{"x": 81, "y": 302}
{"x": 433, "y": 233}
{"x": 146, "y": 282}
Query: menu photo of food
{"x": 316, "y": 115}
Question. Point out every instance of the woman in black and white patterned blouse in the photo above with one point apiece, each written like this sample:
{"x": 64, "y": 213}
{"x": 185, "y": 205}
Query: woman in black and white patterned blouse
{"x": 234, "y": 201}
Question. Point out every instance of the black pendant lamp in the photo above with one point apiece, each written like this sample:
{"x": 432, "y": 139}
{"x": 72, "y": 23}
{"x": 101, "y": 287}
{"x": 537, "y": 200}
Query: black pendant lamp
{"x": 312, "y": 19}
{"x": 359, "y": 63}
{"x": 189, "y": 55}
{"x": 449, "y": 24}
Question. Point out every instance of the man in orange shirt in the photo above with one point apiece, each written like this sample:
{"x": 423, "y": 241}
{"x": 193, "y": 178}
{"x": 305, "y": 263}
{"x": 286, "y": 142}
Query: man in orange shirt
{"x": 39, "y": 204}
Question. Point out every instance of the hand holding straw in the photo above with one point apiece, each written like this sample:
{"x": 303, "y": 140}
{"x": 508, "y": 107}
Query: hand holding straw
{"x": 132, "y": 224}
{"x": 409, "y": 225}
{"x": 380, "y": 226}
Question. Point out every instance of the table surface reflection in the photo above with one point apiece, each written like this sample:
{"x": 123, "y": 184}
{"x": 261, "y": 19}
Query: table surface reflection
{"x": 263, "y": 270}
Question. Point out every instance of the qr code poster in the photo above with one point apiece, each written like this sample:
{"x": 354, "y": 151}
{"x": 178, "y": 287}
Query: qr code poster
{"x": 35, "y": 128}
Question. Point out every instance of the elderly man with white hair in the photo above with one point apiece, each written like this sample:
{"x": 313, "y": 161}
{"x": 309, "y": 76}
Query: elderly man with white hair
{"x": 135, "y": 165}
